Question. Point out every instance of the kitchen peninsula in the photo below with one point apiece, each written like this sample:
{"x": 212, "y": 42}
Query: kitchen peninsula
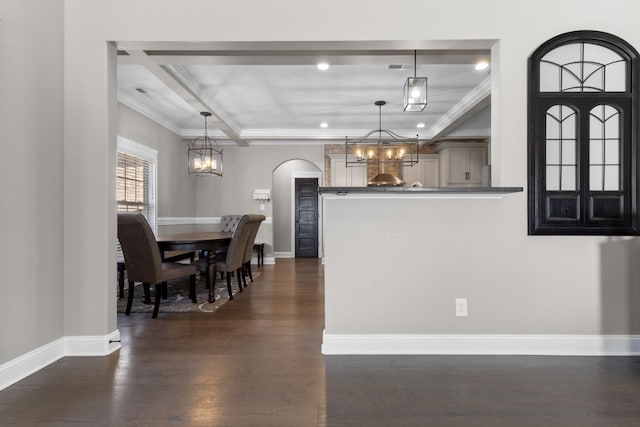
{"x": 393, "y": 264}
{"x": 418, "y": 191}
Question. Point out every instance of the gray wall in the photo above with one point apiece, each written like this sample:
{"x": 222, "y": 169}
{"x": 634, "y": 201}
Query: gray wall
{"x": 31, "y": 134}
{"x": 246, "y": 169}
{"x": 619, "y": 285}
{"x": 476, "y": 249}
{"x": 439, "y": 249}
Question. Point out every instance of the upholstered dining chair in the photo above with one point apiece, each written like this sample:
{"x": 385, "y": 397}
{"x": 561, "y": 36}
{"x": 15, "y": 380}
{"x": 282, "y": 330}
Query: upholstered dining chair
{"x": 255, "y": 221}
{"x": 230, "y": 260}
{"x": 228, "y": 223}
{"x": 144, "y": 262}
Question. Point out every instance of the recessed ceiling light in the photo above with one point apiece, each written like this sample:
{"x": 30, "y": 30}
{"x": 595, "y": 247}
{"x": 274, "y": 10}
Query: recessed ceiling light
{"x": 482, "y": 65}
{"x": 323, "y": 66}
{"x": 420, "y": 125}
{"x": 324, "y": 125}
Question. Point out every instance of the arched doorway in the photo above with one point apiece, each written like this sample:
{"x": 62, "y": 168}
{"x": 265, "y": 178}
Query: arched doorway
{"x": 286, "y": 207}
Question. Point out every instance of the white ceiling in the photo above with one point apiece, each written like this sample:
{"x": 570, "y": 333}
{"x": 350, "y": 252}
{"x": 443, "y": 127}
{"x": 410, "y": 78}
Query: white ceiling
{"x": 260, "y": 92}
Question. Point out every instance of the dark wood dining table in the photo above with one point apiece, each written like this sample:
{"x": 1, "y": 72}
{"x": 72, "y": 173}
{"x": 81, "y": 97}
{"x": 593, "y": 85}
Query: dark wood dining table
{"x": 207, "y": 241}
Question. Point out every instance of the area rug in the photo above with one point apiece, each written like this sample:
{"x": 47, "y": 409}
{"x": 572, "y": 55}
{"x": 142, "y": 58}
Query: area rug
{"x": 178, "y": 296}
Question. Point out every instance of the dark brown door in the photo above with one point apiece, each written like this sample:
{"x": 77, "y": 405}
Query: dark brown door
{"x": 306, "y": 211}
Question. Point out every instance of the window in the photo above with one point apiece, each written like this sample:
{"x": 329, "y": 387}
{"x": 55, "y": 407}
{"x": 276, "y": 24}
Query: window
{"x": 135, "y": 176}
{"x": 583, "y": 136}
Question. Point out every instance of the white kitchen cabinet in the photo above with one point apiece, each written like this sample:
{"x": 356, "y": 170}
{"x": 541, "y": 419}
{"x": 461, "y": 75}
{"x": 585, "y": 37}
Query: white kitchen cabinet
{"x": 461, "y": 163}
{"x": 427, "y": 171}
{"x": 342, "y": 176}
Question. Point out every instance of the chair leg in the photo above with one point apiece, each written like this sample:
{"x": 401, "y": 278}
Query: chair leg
{"x": 248, "y": 267}
{"x": 239, "y": 274}
{"x": 164, "y": 290}
{"x": 147, "y": 293}
{"x": 229, "y": 286}
{"x": 129, "y": 299}
{"x": 156, "y": 306}
{"x": 192, "y": 288}
{"x": 121, "y": 279}
{"x": 244, "y": 278}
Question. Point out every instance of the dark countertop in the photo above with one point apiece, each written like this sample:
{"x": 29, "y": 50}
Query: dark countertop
{"x": 420, "y": 190}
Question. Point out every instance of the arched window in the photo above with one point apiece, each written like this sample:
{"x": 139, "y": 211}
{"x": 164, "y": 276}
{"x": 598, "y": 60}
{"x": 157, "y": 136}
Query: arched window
{"x": 583, "y": 136}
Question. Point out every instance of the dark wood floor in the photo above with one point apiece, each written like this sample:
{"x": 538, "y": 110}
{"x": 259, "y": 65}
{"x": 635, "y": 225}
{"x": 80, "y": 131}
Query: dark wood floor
{"x": 257, "y": 362}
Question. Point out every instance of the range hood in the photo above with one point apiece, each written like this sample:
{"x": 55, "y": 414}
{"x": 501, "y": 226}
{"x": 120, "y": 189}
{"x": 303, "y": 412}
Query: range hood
{"x": 385, "y": 180}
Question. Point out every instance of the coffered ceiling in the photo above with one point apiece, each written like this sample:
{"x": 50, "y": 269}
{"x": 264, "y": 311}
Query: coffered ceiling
{"x": 263, "y": 92}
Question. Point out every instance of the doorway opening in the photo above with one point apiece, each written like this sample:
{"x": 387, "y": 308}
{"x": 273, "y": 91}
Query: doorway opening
{"x": 306, "y": 218}
{"x": 290, "y": 229}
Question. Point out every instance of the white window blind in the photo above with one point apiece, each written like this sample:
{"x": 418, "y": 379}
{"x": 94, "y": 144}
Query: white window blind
{"x": 134, "y": 190}
{"x": 136, "y": 181}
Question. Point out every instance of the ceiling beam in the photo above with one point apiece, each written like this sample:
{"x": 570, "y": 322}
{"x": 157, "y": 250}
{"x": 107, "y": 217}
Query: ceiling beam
{"x": 188, "y": 92}
{"x": 308, "y": 58}
{"x": 474, "y": 101}
{"x": 315, "y": 46}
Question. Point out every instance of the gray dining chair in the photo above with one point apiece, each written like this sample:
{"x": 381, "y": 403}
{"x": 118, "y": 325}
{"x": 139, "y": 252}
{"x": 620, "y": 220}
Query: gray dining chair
{"x": 228, "y": 223}
{"x": 255, "y": 221}
{"x": 230, "y": 260}
{"x": 143, "y": 260}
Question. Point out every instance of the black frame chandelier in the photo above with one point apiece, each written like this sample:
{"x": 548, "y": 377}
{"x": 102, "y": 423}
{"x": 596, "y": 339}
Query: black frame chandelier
{"x": 204, "y": 154}
{"x": 381, "y": 148}
{"x": 415, "y": 89}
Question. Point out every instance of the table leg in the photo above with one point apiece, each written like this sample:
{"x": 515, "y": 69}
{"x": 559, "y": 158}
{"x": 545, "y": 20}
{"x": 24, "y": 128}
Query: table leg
{"x": 192, "y": 288}
{"x": 147, "y": 293}
{"x": 211, "y": 275}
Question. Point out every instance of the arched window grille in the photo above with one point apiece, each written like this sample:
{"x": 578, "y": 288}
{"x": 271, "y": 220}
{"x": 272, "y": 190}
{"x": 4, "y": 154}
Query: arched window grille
{"x": 583, "y": 136}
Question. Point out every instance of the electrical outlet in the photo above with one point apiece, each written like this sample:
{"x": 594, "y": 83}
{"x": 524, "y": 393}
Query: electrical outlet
{"x": 261, "y": 206}
{"x": 461, "y": 307}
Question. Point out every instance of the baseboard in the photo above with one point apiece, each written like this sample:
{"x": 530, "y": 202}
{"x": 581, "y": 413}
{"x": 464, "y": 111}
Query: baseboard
{"x": 269, "y": 260}
{"x": 21, "y": 367}
{"x": 548, "y": 345}
{"x": 25, "y": 365}
{"x": 283, "y": 255}
{"x": 92, "y": 345}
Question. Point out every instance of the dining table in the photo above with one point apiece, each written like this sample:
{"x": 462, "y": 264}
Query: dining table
{"x": 206, "y": 242}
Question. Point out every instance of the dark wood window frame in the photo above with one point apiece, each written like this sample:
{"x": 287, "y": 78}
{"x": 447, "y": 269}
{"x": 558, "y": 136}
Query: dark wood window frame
{"x": 580, "y": 210}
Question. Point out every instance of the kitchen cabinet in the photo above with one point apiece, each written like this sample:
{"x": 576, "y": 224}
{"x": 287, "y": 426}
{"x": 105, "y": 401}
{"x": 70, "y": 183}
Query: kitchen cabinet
{"x": 427, "y": 171}
{"x": 342, "y": 176}
{"x": 461, "y": 163}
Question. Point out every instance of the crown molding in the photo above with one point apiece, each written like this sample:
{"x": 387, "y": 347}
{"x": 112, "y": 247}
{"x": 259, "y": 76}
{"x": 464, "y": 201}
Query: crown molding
{"x": 479, "y": 97}
{"x": 467, "y": 105}
{"x": 466, "y": 134}
{"x": 132, "y": 103}
{"x": 322, "y": 136}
